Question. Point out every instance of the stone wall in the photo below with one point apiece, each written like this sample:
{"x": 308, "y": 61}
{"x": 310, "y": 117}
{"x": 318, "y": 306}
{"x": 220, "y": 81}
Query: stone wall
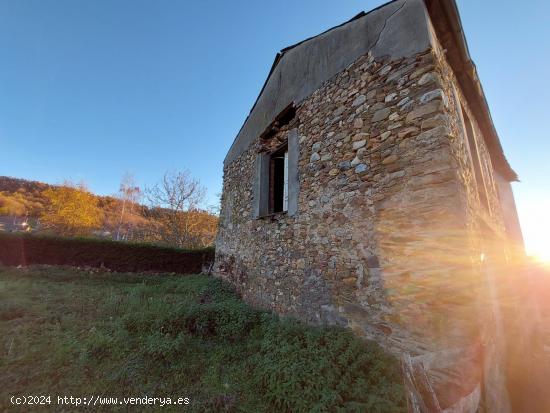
{"x": 386, "y": 237}
{"x": 490, "y": 246}
{"x": 492, "y": 215}
{"x": 376, "y": 174}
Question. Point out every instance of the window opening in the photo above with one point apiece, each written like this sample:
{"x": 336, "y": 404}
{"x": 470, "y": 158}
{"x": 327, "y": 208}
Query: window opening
{"x": 476, "y": 161}
{"x": 278, "y": 181}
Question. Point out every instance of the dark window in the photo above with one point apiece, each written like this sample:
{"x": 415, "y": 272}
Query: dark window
{"x": 476, "y": 161}
{"x": 276, "y": 183}
{"x": 278, "y": 180}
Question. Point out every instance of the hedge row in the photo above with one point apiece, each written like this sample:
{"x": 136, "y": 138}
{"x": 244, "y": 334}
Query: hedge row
{"x": 24, "y": 249}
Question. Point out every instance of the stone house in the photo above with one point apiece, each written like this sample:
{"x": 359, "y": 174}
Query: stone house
{"x": 368, "y": 188}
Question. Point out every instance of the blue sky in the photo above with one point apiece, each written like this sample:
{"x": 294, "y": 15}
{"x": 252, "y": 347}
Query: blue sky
{"x": 93, "y": 89}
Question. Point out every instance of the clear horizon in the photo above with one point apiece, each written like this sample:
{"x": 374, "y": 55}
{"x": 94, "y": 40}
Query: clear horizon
{"x": 92, "y": 90}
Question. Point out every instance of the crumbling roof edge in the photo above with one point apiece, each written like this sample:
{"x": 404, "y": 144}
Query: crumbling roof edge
{"x": 446, "y": 19}
{"x": 280, "y": 54}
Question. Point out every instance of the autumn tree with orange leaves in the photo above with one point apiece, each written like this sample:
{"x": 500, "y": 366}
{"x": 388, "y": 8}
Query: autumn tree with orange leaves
{"x": 71, "y": 210}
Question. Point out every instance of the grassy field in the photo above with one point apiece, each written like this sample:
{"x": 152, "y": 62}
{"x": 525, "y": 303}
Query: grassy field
{"x": 65, "y": 332}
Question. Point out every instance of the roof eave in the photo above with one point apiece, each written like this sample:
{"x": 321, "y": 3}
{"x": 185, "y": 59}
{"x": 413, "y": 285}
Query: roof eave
{"x": 446, "y": 21}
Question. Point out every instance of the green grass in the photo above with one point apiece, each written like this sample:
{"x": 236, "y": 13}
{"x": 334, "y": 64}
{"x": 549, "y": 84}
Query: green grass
{"x": 68, "y": 332}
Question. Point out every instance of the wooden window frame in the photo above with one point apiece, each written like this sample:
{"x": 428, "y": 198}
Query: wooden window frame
{"x": 273, "y": 207}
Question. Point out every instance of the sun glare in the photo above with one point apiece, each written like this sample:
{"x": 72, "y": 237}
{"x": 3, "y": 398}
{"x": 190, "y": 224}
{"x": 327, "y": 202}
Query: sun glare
{"x": 542, "y": 257}
{"x": 536, "y": 232}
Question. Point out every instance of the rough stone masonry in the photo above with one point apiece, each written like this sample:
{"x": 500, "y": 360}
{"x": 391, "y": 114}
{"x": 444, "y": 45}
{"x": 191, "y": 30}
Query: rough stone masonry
{"x": 398, "y": 195}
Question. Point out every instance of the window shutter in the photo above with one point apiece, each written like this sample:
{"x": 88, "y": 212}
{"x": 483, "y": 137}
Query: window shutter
{"x": 261, "y": 186}
{"x": 293, "y": 178}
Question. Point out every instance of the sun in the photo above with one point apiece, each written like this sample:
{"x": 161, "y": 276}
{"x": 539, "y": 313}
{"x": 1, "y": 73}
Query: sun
{"x": 535, "y": 226}
{"x": 537, "y": 243}
{"x": 538, "y": 247}
{"x": 541, "y": 257}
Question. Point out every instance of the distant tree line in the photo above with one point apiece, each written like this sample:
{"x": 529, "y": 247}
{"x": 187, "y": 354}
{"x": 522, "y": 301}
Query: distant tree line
{"x": 169, "y": 213}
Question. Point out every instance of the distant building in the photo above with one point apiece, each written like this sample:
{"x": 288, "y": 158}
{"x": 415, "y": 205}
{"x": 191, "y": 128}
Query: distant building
{"x": 15, "y": 224}
{"x": 368, "y": 188}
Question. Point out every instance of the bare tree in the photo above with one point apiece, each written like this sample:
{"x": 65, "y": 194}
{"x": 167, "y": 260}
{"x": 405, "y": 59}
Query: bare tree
{"x": 129, "y": 194}
{"x": 177, "y": 198}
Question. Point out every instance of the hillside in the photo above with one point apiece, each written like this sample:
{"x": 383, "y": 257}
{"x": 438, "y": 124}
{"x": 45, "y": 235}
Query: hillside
{"x": 20, "y": 197}
{"x": 117, "y": 219}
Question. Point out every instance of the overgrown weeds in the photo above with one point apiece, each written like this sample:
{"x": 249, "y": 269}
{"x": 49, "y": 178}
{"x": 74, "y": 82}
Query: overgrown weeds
{"x": 137, "y": 335}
